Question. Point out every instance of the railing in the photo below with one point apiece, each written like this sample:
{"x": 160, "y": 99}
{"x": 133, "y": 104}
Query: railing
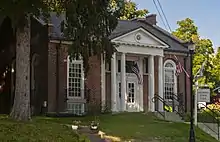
{"x": 158, "y": 98}
{"x": 180, "y": 106}
{"x": 211, "y": 121}
{"x": 176, "y": 102}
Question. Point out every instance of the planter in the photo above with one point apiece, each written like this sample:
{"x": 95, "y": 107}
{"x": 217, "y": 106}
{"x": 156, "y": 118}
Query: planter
{"x": 94, "y": 126}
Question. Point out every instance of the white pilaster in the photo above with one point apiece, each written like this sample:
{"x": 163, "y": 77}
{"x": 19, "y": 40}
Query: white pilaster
{"x": 151, "y": 83}
{"x": 160, "y": 82}
{"x": 123, "y": 81}
{"x": 113, "y": 83}
{"x": 141, "y": 98}
{"x": 103, "y": 99}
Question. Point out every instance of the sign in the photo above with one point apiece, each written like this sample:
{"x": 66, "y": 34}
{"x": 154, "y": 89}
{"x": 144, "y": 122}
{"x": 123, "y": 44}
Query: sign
{"x": 203, "y": 95}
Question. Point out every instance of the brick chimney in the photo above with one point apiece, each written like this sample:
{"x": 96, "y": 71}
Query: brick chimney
{"x": 151, "y": 19}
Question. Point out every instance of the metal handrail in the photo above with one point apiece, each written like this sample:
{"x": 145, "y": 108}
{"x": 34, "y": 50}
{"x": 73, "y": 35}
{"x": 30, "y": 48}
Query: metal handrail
{"x": 214, "y": 117}
{"x": 162, "y": 100}
{"x": 164, "y": 103}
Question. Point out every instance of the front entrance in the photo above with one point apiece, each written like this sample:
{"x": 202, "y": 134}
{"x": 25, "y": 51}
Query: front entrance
{"x": 131, "y": 92}
{"x": 131, "y": 98}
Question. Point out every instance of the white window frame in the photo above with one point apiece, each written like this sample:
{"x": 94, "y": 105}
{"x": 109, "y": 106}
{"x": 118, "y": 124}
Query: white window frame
{"x": 82, "y": 79}
{"x": 135, "y": 92}
{"x": 175, "y": 78}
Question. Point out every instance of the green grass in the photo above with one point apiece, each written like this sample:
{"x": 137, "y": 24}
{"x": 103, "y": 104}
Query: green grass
{"x": 136, "y": 126}
{"x": 35, "y": 131}
{"x": 140, "y": 127}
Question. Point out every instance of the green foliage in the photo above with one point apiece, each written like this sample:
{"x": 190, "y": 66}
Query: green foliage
{"x": 204, "y": 51}
{"x": 186, "y": 30}
{"x": 88, "y": 25}
{"x": 213, "y": 109}
{"x": 130, "y": 11}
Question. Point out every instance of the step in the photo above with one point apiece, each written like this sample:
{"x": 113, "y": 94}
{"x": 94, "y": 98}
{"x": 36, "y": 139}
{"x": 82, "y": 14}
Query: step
{"x": 169, "y": 116}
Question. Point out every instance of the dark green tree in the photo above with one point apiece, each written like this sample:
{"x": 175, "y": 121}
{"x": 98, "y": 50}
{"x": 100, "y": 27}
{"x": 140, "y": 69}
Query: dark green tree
{"x": 88, "y": 25}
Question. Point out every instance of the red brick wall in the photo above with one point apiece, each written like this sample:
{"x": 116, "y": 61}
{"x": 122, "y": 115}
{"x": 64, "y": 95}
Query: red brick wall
{"x": 93, "y": 80}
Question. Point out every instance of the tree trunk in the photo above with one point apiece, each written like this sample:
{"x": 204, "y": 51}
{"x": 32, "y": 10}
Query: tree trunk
{"x": 21, "y": 107}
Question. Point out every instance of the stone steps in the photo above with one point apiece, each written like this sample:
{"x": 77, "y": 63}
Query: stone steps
{"x": 169, "y": 116}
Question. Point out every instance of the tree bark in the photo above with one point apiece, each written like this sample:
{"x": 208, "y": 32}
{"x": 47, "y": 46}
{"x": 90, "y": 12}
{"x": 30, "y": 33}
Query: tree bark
{"x": 21, "y": 107}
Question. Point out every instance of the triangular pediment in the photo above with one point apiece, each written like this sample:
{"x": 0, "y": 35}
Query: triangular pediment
{"x": 140, "y": 37}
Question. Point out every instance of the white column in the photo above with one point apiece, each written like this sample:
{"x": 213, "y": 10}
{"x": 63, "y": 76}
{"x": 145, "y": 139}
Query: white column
{"x": 141, "y": 98}
{"x": 151, "y": 83}
{"x": 160, "y": 82}
{"x": 103, "y": 98}
{"x": 113, "y": 83}
{"x": 123, "y": 82}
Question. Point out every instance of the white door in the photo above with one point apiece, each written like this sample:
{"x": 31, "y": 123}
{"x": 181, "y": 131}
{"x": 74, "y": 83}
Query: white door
{"x": 131, "y": 92}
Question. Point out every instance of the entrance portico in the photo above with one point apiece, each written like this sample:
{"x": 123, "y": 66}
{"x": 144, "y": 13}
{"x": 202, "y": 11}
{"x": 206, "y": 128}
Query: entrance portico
{"x": 126, "y": 93}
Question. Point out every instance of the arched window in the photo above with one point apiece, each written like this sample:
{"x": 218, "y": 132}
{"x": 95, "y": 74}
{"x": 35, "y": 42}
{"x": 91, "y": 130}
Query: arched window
{"x": 170, "y": 83}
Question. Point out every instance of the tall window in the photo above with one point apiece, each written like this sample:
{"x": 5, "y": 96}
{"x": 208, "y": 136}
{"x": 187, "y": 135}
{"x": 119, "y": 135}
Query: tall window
{"x": 170, "y": 85}
{"x": 75, "y": 85}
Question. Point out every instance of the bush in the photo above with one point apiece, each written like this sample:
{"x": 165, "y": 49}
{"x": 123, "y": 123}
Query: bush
{"x": 211, "y": 113}
{"x": 212, "y": 109}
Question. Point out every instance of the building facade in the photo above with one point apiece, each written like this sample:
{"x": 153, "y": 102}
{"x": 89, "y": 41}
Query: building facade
{"x": 143, "y": 46}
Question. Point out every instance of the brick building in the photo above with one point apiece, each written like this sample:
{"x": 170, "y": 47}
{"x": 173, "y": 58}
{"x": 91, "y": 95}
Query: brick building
{"x": 60, "y": 84}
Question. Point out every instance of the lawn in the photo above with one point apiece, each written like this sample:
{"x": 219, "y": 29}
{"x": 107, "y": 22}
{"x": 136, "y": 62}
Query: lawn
{"x": 127, "y": 126}
{"x": 143, "y": 127}
{"x": 35, "y": 131}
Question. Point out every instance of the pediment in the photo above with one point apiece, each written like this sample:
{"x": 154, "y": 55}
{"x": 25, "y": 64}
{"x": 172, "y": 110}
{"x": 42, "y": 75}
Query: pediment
{"x": 140, "y": 37}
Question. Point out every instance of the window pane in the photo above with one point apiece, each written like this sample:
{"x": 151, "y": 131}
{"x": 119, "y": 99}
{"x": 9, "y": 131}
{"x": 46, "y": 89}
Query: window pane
{"x": 75, "y": 77}
{"x": 129, "y": 65}
{"x": 119, "y": 65}
{"x": 146, "y": 65}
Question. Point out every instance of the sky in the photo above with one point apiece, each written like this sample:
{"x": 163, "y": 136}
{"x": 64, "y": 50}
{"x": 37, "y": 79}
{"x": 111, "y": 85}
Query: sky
{"x": 205, "y": 14}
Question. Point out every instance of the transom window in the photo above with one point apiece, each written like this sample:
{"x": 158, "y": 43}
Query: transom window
{"x": 128, "y": 66}
{"x": 170, "y": 86}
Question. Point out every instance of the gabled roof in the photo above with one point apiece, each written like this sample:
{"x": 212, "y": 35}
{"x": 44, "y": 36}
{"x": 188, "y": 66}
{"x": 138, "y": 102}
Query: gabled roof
{"x": 125, "y": 26}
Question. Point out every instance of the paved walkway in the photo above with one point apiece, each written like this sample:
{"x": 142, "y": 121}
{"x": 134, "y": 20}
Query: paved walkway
{"x": 93, "y": 136}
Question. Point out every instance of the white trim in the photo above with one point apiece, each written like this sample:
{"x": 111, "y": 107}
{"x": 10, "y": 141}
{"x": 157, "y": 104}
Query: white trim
{"x": 140, "y": 50}
{"x": 61, "y": 41}
{"x": 160, "y": 82}
{"x": 140, "y": 44}
{"x": 103, "y": 98}
{"x": 151, "y": 84}
{"x": 143, "y": 30}
{"x": 82, "y": 79}
{"x": 141, "y": 99}
{"x": 175, "y": 78}
{"x": 113, "y": 84}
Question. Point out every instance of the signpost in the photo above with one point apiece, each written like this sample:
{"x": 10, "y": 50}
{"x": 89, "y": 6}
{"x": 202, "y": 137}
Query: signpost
{"x": 202, "y": 95}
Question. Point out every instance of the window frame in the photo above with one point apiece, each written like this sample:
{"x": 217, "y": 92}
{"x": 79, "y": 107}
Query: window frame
{"x": 173, "y": 68}
{"x": 81, "y": 80}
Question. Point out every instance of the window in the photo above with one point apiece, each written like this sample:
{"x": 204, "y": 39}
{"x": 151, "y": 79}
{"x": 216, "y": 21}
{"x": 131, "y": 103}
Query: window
{"x": 128, "y": 66}
{"x": 119, "y": 89}
{"x": 131, "y": 92}
{"x": 146, "y": 65}
{"x": 170, "y": 86}
{"x": 75, "y": 85}
{"x": 75, "y": 108}
{"x": 75, "y": 78}
{"x": 107, "y": 66}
